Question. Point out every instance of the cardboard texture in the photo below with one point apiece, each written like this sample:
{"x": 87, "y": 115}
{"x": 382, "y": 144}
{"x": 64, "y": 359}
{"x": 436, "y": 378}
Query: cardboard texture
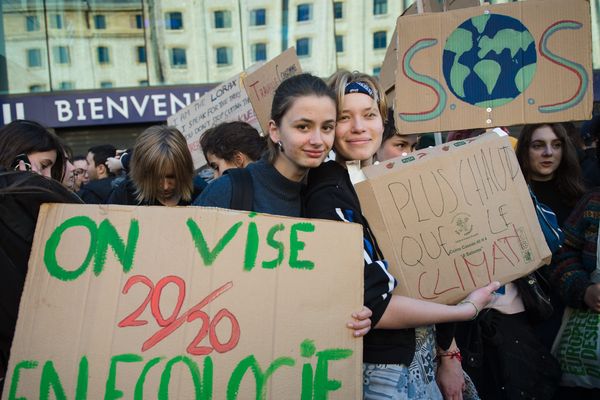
{"x": 487, "y": 66}
{"x": 214, "y": 304}
{"x": 453, "y": 217}
{"x": 387, "y": 75}
{"x": 225, "y": 103}
{"x": 261, "y": 84}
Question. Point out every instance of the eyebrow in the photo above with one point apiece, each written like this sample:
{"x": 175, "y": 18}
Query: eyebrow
{"x": 310, "y": 120}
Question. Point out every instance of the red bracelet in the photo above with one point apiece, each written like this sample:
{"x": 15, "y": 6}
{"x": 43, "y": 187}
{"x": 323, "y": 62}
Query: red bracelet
{"x": 451, "y": 354}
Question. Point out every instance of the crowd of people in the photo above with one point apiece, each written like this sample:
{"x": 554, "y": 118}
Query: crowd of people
{"x": 495, "y": 344}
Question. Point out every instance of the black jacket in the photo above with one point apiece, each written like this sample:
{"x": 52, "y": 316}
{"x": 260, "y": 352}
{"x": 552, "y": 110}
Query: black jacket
{"x": 330, "y": 195}
{"x": 21, "y": 194}
{"x": 97, "y": 191}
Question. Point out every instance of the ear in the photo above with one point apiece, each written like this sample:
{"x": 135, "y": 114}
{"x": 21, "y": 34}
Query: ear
{"x": 274, "y": 132}
{"x": 240, "y": 159}
{"x": 101, "y": 169}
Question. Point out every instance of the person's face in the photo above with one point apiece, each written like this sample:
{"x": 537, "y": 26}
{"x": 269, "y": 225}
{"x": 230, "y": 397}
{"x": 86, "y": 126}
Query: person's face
{"x": 545, "y": 154}
{"x": 91, "y": 167}
{"x": 80, "y": 173}
{"x": 359, "y": 128}
{"x": 219, "y": 165}
{"x": 168, "y": 193}
{"x": 397, "y": 145}
{"x": 69, "y": 177}
{"x": 306, "y": 133}
{"x": 42, "y": 162}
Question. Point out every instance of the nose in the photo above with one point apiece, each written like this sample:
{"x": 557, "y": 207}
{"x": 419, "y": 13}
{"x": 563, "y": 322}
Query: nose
{"x": 548, "y": 151}
{"x": 316, "y": 137}
{"x": 166, "y": 184}
{"x": 357, "y": 124}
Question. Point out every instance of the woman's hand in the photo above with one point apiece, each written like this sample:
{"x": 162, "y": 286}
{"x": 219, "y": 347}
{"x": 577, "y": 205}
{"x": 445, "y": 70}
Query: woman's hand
{"x": 361, "y": 323}
{"x": 479, "y": 298}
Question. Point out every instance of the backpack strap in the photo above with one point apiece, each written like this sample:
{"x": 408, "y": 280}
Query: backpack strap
{"x": 242, "y": 189}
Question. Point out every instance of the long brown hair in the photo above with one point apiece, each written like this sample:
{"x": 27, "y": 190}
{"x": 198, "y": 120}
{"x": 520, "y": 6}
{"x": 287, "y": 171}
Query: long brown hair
{"x": 157, "y": 150}
{"x": 569, "y": 181}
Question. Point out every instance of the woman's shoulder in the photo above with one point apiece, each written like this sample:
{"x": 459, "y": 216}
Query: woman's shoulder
{"x": 216, "y": 194}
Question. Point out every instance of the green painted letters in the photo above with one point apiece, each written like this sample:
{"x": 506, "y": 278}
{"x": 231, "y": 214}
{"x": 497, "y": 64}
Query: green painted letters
{"x": 276, "y": 244}
{"x": 208, "y": 256}
{"x": 108, "y": 235}
{"x": 14, "y": 382}
{"x": 296, "y": 245}
{"x": 261, "y": 379}
{"x": 111, "y": 391}
{"x": 202, "y": 386}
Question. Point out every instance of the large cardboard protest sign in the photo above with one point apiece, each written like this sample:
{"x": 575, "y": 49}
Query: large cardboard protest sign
{"x": 261, "y": 84}
{"x": 491, "y": 66}
{"x": 453, "y": 218}
{"x": 225, "y": 103}
{"x": 187, "y": 303}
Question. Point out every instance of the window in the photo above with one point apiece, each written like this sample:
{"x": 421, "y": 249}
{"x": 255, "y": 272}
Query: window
{"x": 106, "y": 84}
{"x": 174, "y": 21}
{"x": 338, "y": 10}
{"x": 139, "y": 21}
{"x": 56, "y": 21}
{"x": 34, "y": 58}
{"x": 304, "y": 12}
{"x": 376, "y": 71}
{"x": 379, "y": 40}
{"x": 222, "y": 19}
{"x": 259, "y": 52}
{"x": 37, "y": 88}
{"x": 66, "y": 85}
{"x": 303, "y": 47}
{"x": 61, "y": 54}
{"x": 258, "y": 17}
{"x": 224, "y": 56}
{"x": 339, "y": 44}
{"x": 103, "y": 55}
{"x": 178, "y": 58}
{"x": 379, "y": 7}
{"x": 141, "y": 54}
{"x": 100, "y": 21}
{"x": 32, "y": 23}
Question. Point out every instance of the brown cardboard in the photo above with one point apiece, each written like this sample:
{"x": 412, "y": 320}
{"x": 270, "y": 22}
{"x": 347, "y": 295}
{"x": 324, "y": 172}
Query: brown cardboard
{"x": 75, "y": 324}
{"x": 261, "y": 84}
{"x": 387, "y": 75}
{"x": 560, "y": 33}
{"x": 225, "y": 103}
{"x": 453, "y": 218}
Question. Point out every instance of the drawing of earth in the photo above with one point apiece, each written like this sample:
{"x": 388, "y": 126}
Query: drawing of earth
{"x": 489, "y": 60}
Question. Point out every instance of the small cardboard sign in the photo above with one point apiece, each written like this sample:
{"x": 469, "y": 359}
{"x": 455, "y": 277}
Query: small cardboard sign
{"x": 187, "y": 303}
{"x": 453, "y": 217}
{"x": 261, "y": 84}
{"x": 487, "y": 66}
{"x": 225, "y": 103}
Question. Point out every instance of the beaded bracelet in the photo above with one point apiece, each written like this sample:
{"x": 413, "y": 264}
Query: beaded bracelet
{"x": 474, "y": 306}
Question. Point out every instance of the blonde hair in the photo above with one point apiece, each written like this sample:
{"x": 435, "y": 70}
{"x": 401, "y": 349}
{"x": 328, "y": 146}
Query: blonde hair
{"x": 159, "y": 150}
{"x": 341, "y": 78}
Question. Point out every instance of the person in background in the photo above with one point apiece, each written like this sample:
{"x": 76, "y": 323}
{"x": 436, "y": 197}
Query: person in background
{"x": 99, "y": 187}
{"x": 80, "y": 172}
{"x": 590, "y": 167}
{"x": 28, "y": 146}
{"x": 69, "y": 173}
{"x": 393, "y": 144}
{"x": 300, "y": 136}
{"x": 398, "y": 359}
{"x": 161, "y": 170}
{"x": 231, "y": 145}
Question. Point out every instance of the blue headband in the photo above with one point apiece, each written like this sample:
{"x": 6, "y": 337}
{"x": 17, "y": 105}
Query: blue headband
{"x": 359, "y": 87}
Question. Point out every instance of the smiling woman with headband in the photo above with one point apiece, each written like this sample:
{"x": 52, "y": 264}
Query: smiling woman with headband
{"x": 397, "y": 358}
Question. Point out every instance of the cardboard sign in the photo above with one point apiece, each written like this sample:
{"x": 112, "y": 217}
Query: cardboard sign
{"x": 261, "y": 84}
{"x": 453, "y": 218}
{"x": 481, "y": 67}
{"x": 225, "y": 103}
{"x": 387, "y": 75}
{"x": 187, "y": 303}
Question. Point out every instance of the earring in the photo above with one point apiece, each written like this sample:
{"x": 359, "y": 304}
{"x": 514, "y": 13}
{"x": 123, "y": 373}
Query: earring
{"x": 280, "y": 146}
